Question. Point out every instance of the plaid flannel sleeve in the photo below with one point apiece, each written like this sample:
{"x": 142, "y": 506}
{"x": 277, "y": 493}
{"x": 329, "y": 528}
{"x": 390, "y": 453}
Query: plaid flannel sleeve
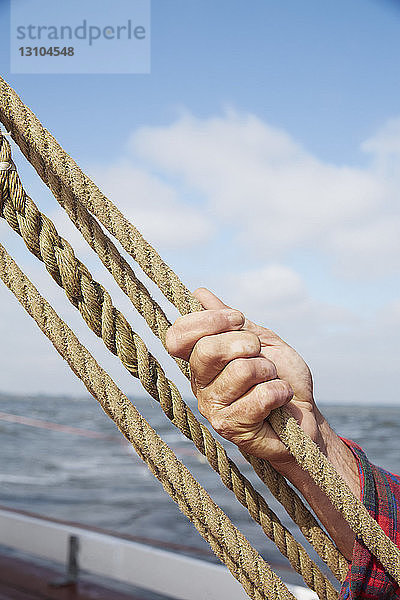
{"x": 380, "y": 493}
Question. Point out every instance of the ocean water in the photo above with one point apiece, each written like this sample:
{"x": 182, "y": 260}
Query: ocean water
{"x": 91, "y": 475}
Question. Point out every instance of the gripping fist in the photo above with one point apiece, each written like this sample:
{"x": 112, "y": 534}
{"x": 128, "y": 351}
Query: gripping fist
{"x": 240, "y": 373}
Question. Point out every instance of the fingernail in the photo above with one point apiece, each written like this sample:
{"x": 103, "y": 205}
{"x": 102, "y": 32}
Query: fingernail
{"x": 236, "y": 318}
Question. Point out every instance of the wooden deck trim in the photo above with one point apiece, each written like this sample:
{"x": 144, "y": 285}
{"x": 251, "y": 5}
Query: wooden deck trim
{"x": 23, "y": 580}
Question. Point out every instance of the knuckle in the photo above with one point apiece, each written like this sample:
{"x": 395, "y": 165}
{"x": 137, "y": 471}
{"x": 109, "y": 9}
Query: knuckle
{"x": 174, "y": 337}
{"x": 204, "y": 351}
{"x": 242, "y": 369}
{"x": 219, "y": 320}
{"x": 280, "y": 392}
{"x": 247, "y": 342}
{"x": 252, "y": 370}
{"x": 269, "y": 369}
{"x": 203, "y": 406}
{"x": 222, "y": 426}
{"x": 215, "y": 319}
{"x": 285, "y": 387}
{"x": 264, "y": 396}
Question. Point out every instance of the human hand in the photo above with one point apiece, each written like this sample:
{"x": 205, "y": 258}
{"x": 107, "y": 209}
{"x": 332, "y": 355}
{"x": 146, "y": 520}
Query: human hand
{"x": 240, "y": 373}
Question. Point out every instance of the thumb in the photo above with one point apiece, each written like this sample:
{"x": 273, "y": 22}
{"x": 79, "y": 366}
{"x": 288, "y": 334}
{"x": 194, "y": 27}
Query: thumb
{"x": 208, "y": 300}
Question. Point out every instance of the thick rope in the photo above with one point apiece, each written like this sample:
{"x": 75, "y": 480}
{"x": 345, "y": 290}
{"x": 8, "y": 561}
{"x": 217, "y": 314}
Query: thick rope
{"x": 311, "y": 459}
{"x": 158, "y": 323}
{"x": 121, "y": 271}
{"x": 13, "y": 111}
{"x": 245, "y": 564}
{"x": 117, "y": 266}
{"x": 300, "y": 515}
{"x": 95, "y": 305}
{"x": 46, "y": 155}
{"x": 156, "y": 319}
{"x": 53, "y": 163}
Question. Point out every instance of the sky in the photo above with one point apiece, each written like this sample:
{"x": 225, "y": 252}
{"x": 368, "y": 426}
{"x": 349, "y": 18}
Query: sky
{"x": 260, "y": 156}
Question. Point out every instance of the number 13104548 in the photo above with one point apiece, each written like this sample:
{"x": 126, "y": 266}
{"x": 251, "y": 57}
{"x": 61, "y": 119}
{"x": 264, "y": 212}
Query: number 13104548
{"x": 43, "y": 51}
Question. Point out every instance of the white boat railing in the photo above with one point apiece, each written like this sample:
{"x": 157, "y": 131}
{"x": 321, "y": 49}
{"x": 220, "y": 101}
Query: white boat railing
{"x": 156, "y": 570}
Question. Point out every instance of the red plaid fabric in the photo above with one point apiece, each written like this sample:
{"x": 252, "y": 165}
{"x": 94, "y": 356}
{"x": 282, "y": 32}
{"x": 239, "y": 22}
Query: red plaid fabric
{"x": 380, "y": 493}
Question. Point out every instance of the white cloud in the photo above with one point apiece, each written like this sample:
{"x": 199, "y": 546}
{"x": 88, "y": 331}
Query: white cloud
{"x": 386, "y": 141}
{"x": 361, "y": 363}
{"x": 389, "y": 318}
{"x": 372, "y": 246}
{"x": 182, "y": 185}
{"x": 276, "y": 296}
{"x": 259, "y": 180}
{"x": 352, "y": 358}
{"x": 152, "y": 205}
{"x": 273, "y": 290}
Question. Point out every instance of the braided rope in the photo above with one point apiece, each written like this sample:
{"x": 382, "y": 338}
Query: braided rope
{"x": 158, "y": 323}
{"x": 117, "y": 266}
{"x": 95, "y": 306}
{"x": 46, "y": 155}
{"x": 52, "y": 162}
{"x": 311, "y": 459}
{"x": 300, "y": 515}
{"x": 245, "y": 564}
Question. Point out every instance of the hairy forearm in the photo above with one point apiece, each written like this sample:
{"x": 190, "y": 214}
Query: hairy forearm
{"x": 343, "y": 460}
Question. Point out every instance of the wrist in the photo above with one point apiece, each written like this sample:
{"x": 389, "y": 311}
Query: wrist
{"x": 336, "y": 451}
{"x": 345, "y": 463}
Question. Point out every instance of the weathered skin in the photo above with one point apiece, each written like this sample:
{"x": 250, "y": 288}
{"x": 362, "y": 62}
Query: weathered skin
{"x": 240, "y": 372}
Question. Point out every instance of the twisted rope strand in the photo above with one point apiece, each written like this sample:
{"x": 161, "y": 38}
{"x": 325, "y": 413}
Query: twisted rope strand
{"x": 117, "y": 266}
{"x": 73, "y": 190}
{"x": 95, "y": 305}
{"x": 311, "y": 459}
{"x": 157, "y": 321}
{"x": 300, "y": 515}
{"x": 45, "y": 154}
{"x": 53, "y": 163}
{"x": 245, "y": 564}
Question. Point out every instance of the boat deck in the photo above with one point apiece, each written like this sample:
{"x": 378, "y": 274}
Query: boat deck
{"x": 37, "y": 552}
{"x": 23, "y": 580}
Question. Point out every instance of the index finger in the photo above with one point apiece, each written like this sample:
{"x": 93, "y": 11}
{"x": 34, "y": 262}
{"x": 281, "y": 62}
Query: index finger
{"x": 187, "y": 330}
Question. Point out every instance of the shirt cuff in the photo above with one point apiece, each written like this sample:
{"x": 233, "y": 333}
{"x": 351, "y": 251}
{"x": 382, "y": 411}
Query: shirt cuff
{"x": 380, "y": 494}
